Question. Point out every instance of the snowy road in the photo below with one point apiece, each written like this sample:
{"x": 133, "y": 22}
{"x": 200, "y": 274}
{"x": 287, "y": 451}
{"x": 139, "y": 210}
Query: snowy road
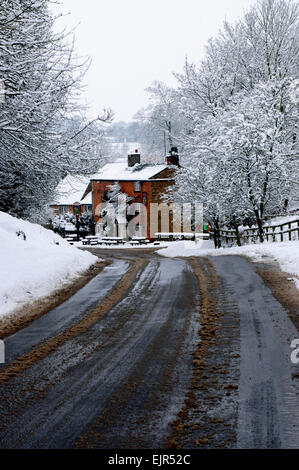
{"x": 155, "y": 352}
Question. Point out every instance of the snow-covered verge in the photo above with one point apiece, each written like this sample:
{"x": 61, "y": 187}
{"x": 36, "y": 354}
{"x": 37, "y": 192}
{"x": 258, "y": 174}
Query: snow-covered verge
{"x": 282, "y": 219}
{"x": 34, "y": 267}
{"x": 286, "y": 254}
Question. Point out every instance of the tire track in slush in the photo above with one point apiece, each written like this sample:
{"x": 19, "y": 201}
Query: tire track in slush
{"x": 155, "y": 389}
{"x": 187, "y": 429}
{"x": 54, "y": 369}
{"x": 63, "y": 413}
{"x": 25, "y": 361}
{"x": 157, "y": 365}
{"x": 82, "y": 356}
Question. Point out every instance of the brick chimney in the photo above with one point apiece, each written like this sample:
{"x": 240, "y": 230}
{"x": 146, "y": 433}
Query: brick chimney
{"x": 173, "y": 157}
{"x": 133, "y": 158}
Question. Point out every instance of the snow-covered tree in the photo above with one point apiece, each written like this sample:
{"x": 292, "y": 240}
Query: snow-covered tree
{"x": 160, "y": 123}
{"x": 113, "y": 210}
{"x": 257, "y": 148}
{"x": 241, "y": 160}
{"x": 43, "y": 133}
{"x": 241, "y": 148}
{"x": 84, "y": 222}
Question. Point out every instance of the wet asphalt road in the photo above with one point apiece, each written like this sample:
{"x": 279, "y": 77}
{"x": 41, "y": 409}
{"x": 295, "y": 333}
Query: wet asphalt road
{"x": 268, "y": 401}
{"x": 124, "y": 379}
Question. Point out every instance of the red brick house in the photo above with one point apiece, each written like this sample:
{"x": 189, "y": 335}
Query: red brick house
{"x": 142, "y": 183}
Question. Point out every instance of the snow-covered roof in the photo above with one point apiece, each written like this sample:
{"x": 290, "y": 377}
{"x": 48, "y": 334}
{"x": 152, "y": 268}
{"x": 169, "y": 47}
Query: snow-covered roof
{"x": 71, "y": 189}
{"x": 121, "y": 172}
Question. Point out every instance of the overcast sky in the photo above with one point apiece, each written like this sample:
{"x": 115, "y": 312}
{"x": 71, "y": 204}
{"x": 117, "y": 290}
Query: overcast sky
{"x": 134, "y": 42}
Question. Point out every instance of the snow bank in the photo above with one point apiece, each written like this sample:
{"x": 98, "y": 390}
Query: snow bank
{"x": 285, "y": 253}
{"x": 187, "y": 248}
{"x": 33, "y": 268}
{"x": 282, "y": 220}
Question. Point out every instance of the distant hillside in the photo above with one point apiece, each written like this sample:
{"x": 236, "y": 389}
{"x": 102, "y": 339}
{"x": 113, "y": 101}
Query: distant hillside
{"x": 123, "y": 132}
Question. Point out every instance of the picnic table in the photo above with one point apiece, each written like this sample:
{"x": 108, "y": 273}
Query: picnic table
{"x": 175, "y": 236}
{"x": 90, "y": 240}
{"x": 71, "y": 239}
{"x": 107, "y": 241}
{"x": 95, "y": 240}
{"x": 118, "y": 240}
{"x": 140, "y": 240}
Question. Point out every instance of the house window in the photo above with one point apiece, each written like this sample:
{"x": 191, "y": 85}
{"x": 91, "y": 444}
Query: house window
{"x": 137, "y": 186}
{"x": 87, "y": 208}
{"x": 62, "y": 210}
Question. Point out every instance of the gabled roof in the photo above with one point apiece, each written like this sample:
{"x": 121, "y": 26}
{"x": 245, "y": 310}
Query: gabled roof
{"x": 71, "y": 189}
{"x": 121, "y": 172}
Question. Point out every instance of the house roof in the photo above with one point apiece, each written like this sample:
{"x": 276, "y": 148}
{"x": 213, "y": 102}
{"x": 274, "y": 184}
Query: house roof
{"x": 71, "y": 189}
{"x": 121, "y": 172}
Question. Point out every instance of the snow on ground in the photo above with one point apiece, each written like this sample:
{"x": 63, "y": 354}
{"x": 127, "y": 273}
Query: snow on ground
{"x": 282, "y": 219}
{"x": 33, "y": 268}
{"x": 286, "y": 254}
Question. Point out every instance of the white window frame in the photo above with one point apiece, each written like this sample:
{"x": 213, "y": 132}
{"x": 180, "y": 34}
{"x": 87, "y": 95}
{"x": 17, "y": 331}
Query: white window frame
{"x": 63, "y": 209}
{"x": 137, "y": 186}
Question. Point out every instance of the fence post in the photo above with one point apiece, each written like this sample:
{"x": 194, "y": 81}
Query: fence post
{"x": 2, "y": 352}
{"x": 281, "y": 235}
